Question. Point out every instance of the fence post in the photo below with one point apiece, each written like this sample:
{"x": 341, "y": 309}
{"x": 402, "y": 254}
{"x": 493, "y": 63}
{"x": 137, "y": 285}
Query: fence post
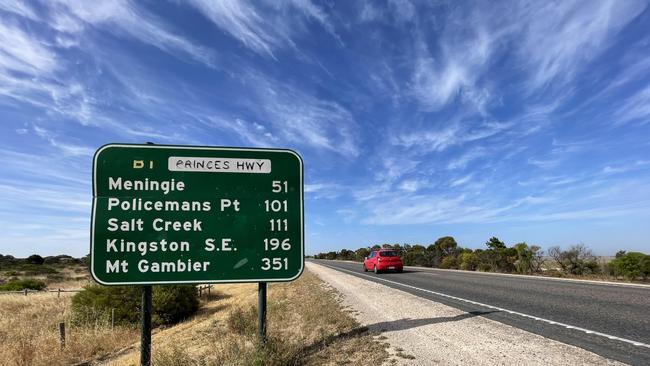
{"x": 209, "y": 287}
{"x": 58, "y": 293}
{"x": 25, "y": 291}
{"x": 62, "y": 334}
{"x": 112, "y": 318}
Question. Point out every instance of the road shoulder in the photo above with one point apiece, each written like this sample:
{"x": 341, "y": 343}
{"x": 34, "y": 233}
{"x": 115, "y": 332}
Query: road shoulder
{"x": 438, "y": 334}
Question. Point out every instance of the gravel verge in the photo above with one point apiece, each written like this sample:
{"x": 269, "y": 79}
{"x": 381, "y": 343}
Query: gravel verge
{"x": 424, "y": 332}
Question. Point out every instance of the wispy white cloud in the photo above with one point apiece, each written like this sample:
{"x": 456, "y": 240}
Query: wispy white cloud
{"x": 326, "y": 190}
{"x": 37, "y": 166}
{"x": 414, "y": 185}
{"x": 456, "y": 133}
{"x": 544, "y": 163}
{"x": 369, "y": 12}
{"x": 126, "y": 18}
{"x": 461, "y": 181}
{"x": 250, "y": 132}
{"x": 624, "y": 168}
{"x": 18, "y": 7}
{"x": 438, "y": 81}
{"x": 299, "y": 118}
{"x": 461, "y": 161}
{"x": 68, "y": 149}
{"x": 22, "y": 52}
{"x": 559, "y": 38}
{"x": 262, "y": 29}
{"x": 635, "y": 109}
{"x": 440, "y": 209}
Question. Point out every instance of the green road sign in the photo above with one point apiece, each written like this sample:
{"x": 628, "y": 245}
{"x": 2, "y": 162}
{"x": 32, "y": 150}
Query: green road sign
{"x": 183, "y": 214}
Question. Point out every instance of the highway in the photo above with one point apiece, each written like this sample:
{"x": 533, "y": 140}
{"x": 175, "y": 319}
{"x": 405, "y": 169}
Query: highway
{"x": 607, "y": 319}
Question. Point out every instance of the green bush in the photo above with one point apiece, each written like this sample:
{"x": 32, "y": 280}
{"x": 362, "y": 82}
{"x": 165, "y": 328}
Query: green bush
{"x": 35, "y": 259}
{"x": 631, "y": 265}
{"x": 170, "y": 304}
{"x": 27, "y": 283}
{"x": 449, "y": 263}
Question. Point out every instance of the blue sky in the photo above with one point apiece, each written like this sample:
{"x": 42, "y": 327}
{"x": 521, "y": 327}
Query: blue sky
{"x": 525, "y": 120}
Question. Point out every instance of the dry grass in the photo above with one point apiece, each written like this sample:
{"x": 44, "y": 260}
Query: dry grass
{"x": 306, "y": 326}
{"x": 29, "y": 332}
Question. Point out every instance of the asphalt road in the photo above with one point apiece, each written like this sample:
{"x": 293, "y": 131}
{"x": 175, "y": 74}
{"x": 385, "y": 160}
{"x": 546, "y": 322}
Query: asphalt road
{"x": 602, "y": 318}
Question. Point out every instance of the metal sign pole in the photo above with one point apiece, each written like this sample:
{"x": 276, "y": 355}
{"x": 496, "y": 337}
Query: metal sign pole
{"x": 145, "y": 327}
{"x": 261, "y": 315}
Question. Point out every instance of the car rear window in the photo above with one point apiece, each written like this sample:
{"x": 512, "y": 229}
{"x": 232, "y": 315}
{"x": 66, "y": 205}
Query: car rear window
{"x": 388, "y": 254}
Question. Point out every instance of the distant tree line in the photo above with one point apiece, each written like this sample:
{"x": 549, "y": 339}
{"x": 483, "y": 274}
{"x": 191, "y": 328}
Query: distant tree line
{"x": 523, "y": 258}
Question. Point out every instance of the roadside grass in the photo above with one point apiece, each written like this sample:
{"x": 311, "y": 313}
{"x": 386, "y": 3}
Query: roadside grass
{"x": 306, "y": 326}
{"x": 29, "y": 332}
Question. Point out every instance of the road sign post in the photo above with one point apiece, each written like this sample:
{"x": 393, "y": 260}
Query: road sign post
{"x": 145, "y": 327}
{"x": 188, "y": 215}
{"x": 261, "y": 312}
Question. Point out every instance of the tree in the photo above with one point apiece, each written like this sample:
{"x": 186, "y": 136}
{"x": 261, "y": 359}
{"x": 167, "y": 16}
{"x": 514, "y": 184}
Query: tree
{"x": 35, "y": 259}
{"x": 524, "y": 258}
{"x": 446, "y": 245}
{"x": 361, "y": 253}
{"x": 415, "y": 255}
{"x": 346, "y": 254}
{"x": 498, "y": 257}
{"x": 576, "y": 260}
{"x": 538, "y": 258}
{"x": 495, "y": 244}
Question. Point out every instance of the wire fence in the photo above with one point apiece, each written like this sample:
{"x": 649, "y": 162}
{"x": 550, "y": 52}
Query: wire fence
{"x": 202, "y": 289}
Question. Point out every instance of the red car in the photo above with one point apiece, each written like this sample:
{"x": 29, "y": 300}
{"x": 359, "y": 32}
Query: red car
{"x": 383, "y": 260}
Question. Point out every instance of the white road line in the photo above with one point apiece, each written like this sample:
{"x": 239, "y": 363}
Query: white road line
{"x": 567, "y": 326}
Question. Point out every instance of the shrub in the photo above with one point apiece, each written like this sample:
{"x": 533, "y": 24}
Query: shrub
{"x": 631, "y": 265}
{"x": 35, "y": 259}
{"x": 170, "y": 304}
{"x": 449, "y": 263}
{"x": 468, "y": 260}
{"x": 243, "y": 322}
{"x": 577, "y": 260}
{"x": 27, "y": 283}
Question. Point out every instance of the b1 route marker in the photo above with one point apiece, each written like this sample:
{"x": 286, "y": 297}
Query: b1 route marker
{"x": 182, "y": 214}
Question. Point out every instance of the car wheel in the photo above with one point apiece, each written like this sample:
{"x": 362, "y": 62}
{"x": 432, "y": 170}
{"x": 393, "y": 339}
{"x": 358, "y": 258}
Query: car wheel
{"x": 400, "y": 270}
{"x": 365, "y": 269}
{"x": 376, "y": 270}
